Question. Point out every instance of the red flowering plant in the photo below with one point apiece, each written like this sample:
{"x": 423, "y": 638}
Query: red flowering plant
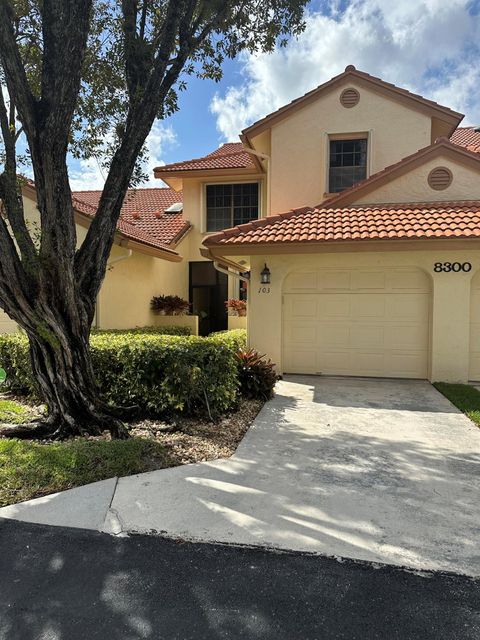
{"x": 236, "y": 307}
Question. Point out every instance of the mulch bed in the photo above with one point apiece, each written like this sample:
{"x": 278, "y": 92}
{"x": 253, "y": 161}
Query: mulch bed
{"x": 192, "y": 440}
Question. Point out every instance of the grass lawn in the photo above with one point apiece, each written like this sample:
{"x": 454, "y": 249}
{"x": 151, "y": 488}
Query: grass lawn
{"x": 464, "y": 397}
{"x": 29, "y": 469}
{"x": 14, "y": 412}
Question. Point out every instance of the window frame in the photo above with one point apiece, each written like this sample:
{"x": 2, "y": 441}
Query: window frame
{"x": 228, "y": 182}
{"x": 353, "y": 135}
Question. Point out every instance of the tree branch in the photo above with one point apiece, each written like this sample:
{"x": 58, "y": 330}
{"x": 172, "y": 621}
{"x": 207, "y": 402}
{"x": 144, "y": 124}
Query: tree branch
{"x": 65, "y": 30}
{"x": 16, "y": 76}
{"x": 12, "y": 203}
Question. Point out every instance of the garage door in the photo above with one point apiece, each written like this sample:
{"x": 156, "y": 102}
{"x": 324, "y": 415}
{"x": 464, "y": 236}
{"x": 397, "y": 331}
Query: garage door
{"x": 474, "y": 369}
{"x": 357, "y": 322}
{"x": 6, "y": 324}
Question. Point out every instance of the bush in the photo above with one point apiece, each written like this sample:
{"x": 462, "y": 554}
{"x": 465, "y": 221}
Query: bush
{"x": 235, "y": 339}
{"x": 159, "y": 373}
{"x": 256, "y": 375}
{"x": 164, "y": 331}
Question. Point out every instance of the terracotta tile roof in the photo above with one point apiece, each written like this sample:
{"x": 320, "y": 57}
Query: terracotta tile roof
{"x": 352, "y": 72}
{"x": 468, "y": 137}
{"x": 231, "y": 155}
{"x": 372, "y": 222}
{"x": 143, "y": 216}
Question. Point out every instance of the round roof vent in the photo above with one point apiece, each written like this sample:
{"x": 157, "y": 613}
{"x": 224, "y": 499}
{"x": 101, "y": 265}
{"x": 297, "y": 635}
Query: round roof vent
{"x": 349, "y": 98}
{"x": 440, "y": 178}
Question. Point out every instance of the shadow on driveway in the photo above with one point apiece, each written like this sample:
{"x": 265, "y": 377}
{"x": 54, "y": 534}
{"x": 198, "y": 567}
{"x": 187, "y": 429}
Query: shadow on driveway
{"x": 378, "y": 470}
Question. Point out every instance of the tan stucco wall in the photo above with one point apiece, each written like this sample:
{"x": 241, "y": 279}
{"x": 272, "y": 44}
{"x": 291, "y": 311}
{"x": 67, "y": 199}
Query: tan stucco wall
{"x": 450, "y": 312}
{"x": 299, "y": 144}
{"x": 413, "y": 186}
{"x": 130, "y": 284}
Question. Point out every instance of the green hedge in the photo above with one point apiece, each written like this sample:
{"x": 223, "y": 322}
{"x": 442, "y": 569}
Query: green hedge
{"x": 158, "y": 373}
{"x": 165, "y": 331}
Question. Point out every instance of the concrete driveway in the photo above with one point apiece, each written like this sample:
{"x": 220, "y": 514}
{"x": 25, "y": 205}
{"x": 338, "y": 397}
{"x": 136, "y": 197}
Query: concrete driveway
{"x": 378, "y": 470}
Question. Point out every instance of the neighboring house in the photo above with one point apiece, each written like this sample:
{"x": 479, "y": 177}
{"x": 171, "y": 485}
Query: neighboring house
{"x": 368, "y": 230}
{"x": 144, "y": 260}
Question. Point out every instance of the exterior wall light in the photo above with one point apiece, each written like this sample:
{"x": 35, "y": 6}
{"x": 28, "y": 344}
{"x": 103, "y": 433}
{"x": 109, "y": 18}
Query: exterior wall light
{"x": 265, "y": 275}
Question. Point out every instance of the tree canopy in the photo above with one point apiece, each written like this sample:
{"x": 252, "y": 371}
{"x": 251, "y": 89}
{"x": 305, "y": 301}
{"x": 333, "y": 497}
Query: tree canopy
{"x": 90, "y": 77}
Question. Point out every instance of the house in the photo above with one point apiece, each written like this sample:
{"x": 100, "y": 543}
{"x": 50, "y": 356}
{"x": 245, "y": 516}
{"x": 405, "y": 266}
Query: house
{"x": 352, "y": 218}
{"x": 364, "y": 248}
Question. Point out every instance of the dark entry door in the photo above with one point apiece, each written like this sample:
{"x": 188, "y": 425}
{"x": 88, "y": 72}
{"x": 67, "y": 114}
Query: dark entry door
{"x": 208, "y": 293}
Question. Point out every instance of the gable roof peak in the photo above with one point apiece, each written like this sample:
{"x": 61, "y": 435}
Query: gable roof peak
{"x": 416, "y": 101}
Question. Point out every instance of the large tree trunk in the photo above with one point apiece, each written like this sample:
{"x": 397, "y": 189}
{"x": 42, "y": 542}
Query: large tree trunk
{"x": 63, "y": 370}
{"x": 62, "y": 367}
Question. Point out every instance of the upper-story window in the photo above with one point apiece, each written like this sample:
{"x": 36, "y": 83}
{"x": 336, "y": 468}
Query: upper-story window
{"x": 348, "y": 163}
{"x": 231, "y": 204}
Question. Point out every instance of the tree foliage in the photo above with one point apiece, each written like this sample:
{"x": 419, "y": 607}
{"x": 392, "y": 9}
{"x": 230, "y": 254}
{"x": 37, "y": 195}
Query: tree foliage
{"x": 90, "y": 77}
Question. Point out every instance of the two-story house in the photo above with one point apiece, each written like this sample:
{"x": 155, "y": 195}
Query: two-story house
{"x": 356, "y": 210}
{"x": 351, "y": 216}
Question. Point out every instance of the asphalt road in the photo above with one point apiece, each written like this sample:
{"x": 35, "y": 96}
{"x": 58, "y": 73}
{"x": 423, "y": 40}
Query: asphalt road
{"x": 67, "y": 584}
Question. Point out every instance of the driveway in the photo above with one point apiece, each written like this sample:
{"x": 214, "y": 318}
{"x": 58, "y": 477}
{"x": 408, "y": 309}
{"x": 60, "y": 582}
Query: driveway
{"x": 380, "y": 470}
{"x": 377, "y": 470}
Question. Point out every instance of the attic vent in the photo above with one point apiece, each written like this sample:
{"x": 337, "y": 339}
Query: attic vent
{"x": 440, "y": 178}
{"x": 175, "y": 208}
{"x": 349, "y": 98}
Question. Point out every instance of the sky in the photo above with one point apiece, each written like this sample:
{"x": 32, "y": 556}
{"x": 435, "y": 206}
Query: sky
{"x": 431, "y": 47}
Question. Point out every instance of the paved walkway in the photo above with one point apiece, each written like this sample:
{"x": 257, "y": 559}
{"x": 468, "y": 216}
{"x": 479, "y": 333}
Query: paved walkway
{"x": 378, "y": 470}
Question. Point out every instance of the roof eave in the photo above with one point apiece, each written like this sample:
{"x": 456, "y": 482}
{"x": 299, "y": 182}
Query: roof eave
{"x": 202, "y": 173}
{"x": 219, "y": 251}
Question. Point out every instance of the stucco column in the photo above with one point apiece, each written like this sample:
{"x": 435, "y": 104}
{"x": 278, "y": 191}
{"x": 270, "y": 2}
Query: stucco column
{"x": 450, "y": 327}
{"x": 265, "y": 323}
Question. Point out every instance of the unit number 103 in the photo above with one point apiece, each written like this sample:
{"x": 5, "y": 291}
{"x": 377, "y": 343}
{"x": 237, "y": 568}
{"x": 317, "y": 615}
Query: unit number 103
{"x": 456, "y": 267}
{"x": 264, "y": 290}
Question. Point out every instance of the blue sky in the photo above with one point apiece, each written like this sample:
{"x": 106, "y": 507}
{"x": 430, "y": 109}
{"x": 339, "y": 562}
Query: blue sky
{"x": 428, "y": 46}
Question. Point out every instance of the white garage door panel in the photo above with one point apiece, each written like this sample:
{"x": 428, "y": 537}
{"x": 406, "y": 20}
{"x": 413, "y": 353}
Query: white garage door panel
{"x": 358, "y": 332}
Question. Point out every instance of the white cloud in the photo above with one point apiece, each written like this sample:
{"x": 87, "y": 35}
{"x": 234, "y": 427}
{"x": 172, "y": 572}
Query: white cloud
{"x": 89, "y": 174}
{"x": 428, "y": 46}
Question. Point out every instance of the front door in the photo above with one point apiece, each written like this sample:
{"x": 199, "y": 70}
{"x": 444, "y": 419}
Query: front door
{"x": 208, "y": 293}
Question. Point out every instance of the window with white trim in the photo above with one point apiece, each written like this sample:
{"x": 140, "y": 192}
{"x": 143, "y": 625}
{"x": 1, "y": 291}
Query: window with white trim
{"x": 231, "y": 204}
{"x": 348, "y": 164}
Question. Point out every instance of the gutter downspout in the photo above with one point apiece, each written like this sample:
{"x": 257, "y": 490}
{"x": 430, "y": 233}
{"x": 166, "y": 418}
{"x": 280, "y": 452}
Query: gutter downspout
{"x": 233, "y": 274}
{"x": 97, "y": 302}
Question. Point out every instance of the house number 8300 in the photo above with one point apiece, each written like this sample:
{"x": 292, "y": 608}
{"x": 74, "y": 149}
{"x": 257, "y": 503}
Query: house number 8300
{"x": 456, "y": 267}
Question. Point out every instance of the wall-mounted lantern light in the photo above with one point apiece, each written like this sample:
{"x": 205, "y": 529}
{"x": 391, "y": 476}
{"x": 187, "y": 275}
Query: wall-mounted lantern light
{"x": 265, "y": 275}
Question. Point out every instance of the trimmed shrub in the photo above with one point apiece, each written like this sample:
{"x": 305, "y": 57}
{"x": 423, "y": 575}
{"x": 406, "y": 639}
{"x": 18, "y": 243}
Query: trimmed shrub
{"x": 256, "y": 374}
{"x": 164, "y": 331}
{"x": 159, "y": 373}
{"x": 235, "y": 339}
{"x": 15, "y": 359}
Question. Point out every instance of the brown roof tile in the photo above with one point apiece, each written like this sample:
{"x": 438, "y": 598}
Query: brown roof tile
{"x": 468, "y": 137}
{"x": 143, "y": 216}
{"x": 368, "y": 222}
{"x": 231, "y": 155}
